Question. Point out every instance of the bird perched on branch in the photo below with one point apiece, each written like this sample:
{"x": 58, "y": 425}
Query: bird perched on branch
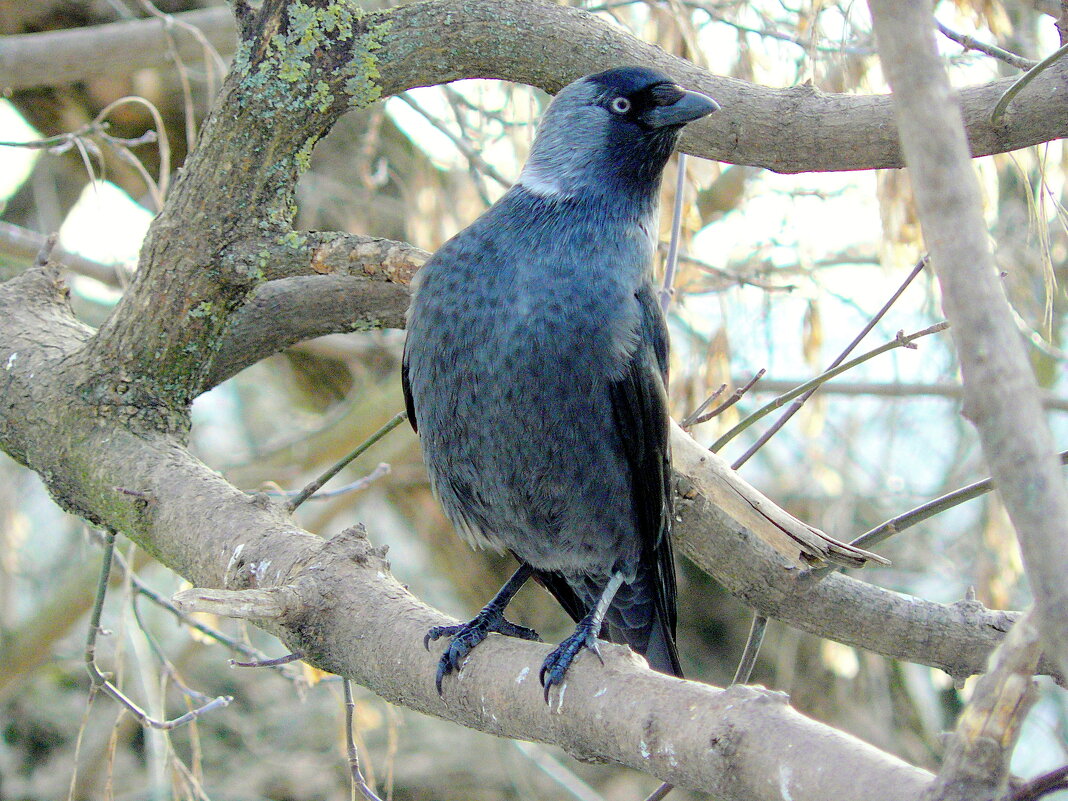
{"x": 535, "y": 373}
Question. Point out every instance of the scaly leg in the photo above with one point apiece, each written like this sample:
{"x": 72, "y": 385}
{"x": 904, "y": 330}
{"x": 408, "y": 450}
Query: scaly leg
{"x": 585, "y": 636}
{"x": 466, "y": 636}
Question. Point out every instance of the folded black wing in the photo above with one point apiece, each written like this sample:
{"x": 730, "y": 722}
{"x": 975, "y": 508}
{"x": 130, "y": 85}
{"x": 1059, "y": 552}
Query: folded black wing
{"x": 639, "y": 403}
{"x": 409, "y": 401}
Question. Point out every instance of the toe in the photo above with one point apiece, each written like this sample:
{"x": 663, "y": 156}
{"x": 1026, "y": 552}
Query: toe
{"x": 510, "y": 629}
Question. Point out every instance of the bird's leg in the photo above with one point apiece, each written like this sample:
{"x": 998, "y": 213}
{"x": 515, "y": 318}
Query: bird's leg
{"x": 585, "y": 636}
{"x": 466, "y": 636}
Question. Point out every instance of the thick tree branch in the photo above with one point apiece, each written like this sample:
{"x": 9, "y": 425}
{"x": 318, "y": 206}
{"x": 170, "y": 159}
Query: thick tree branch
{"x": 1001, "y": 397}
{"x": 725, "y": 535}
{"x": 344, "y": 610}
{"x": 340, "y": 283}
{"x": 796, "y": 129}
{"x": 54, "y": 58}
{"x": 304, "y": 64}
{"x": 979, "y": 750}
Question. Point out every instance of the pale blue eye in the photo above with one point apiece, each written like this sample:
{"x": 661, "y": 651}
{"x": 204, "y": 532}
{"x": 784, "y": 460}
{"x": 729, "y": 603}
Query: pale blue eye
{"x": 620, "y": 105}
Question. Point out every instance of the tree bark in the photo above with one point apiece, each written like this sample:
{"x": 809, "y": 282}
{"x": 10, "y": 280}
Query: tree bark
{"x": 796, "y": 129}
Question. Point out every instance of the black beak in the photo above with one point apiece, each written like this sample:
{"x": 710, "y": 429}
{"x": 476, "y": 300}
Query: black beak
{"x": 691, "y": 106}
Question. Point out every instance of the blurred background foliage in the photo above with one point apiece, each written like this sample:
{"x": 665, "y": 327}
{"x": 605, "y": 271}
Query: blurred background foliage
{"x": 779, "y": 272}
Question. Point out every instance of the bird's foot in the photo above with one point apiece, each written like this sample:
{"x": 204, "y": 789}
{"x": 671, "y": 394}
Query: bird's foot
{"x": 466, "y": 636}
{"x": 556, "y": 664}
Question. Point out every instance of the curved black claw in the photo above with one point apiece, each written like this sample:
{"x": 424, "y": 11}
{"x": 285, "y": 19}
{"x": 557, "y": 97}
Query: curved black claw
{"x": 556, "y": 664}
{"x": 466, "y": 636}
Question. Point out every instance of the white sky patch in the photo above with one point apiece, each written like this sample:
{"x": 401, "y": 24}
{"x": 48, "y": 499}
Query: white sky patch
{"x": 105, "y": 225}
{"x": 15, "y": 162}
{"x": 795, "y": 216}
{"x": 495, "y": 149}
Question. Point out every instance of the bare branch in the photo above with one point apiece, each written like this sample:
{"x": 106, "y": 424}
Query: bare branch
{"x": 971, "y": 43}
{"x": 340, "y": 283}
{"x": 978, "y": 752}
{"x": 900, "y": 341}
{"x": 796, "y": 129}
{"x": 1000, "y": 393}
{"x": 120, "y": 48}
{"x": 902, "y": 389}
{"x": 102, "y": 682}
{"x": 755, "y": 560}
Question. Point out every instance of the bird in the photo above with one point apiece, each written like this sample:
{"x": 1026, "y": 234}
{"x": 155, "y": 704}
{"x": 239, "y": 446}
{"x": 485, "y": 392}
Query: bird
{"x": 535, "y": 374}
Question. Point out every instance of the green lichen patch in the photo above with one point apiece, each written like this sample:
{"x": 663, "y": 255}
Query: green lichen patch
{"x": 318, "y": 57}
{"x": 362, "y": 75}
{"x": 293, "y": 239}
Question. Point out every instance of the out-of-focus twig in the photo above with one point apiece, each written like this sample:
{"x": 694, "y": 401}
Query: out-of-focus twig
{"x": 671, "y": 263}
{"x": 102, "y": 682}
{"x": 806, "y": 394}
{"x": 700, "y": 416}
{"x": 359, "y": 484}
{"x": 1042, "y": 785}
{"x": 900, "y": 341}
{"x": 1026, "y": 78}
{"x": 927, "y": 510}
{"x": 462, "y": 144}
{"x": 358, "y": 781}
{"x": 24, "y": 245}
{"x": 316, "y": 485}
{"x": 971, "y": 43}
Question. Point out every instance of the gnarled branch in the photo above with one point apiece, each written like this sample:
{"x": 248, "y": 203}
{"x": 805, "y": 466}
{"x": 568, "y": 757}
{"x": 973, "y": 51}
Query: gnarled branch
{"x": 796, "y": 129}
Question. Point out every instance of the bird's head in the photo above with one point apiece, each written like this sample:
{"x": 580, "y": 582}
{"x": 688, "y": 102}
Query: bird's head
{"x": 611, "y": 133}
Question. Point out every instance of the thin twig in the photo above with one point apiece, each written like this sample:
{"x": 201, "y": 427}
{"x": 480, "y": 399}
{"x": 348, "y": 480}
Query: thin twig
{"x": 752, "y": 649}
{"x": 359, "y": 484}
{"x": 900, "y": 341}
{"x": 730, "y": 278}
{"x": 560, "y": 774}
{"x": 81, "y": 140}
{"x": 183, "y": 73}
{"x": 775, "y": 386}
{"x": 796, "y": 406}
{"x": 170, "y": 672}
{"x": 1022, "y": 81}
{"x": 737, "y": 395}
{"x": 672, "y": 262}
{"x": 1042, "y": 785}
{"x": 101, "y": 681}
{"x": 970, "y": 43}
{"x": 276, "y": 662}
{"x": 208, "y": 631}
{"x": 462, "y": 144}
{"x": 316, "y": 485}
{"x": 358, "y": 781}
{"x": 895, "y": 525}
{"x": 660, "y": 792}
{"x": 690, "y": 419}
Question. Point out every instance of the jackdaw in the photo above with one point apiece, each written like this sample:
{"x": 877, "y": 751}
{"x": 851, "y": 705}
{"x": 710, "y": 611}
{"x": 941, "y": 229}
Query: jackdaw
{"x": 535, "y": 372}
